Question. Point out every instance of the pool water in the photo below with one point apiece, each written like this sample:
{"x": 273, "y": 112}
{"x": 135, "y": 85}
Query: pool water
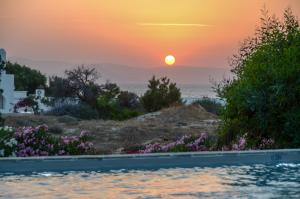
{"x": 257, "y": 181}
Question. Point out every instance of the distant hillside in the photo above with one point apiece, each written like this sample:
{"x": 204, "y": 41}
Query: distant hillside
{"x": 123, "y": 74}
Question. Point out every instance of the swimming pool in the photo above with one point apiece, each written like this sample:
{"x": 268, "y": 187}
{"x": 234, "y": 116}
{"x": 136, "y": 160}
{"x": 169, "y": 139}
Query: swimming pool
{"x": 248, "y": 174}
{"x": 256, "y": 181}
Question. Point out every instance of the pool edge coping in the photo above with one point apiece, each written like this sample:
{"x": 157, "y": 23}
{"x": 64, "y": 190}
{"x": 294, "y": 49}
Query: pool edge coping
{"x": 174, "y": 154}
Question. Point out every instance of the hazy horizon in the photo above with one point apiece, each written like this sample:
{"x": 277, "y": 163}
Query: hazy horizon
{"x": 125, "y": 74}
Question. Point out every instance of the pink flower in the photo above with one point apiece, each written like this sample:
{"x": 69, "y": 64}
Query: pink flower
{"x": 235, "y": 147}
{"x": 41, "y": 127}
{"x": 241, "y": 145}
{"x": 61, "y": 152}
{"x": 266, "y": 143}
{"x": 84, "y": 134}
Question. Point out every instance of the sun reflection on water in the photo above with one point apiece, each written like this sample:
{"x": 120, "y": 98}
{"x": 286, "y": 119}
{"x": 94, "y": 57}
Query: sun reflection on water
{"x": 163, "y": 183}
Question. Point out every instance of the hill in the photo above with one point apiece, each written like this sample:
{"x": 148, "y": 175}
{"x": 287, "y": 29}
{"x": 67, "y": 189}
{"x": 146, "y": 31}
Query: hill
{"x": 112, "y": 136}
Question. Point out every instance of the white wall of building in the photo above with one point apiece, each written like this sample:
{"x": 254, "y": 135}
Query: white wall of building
{"x": 19, "y": 95}
{"x": 8, "y": 86}
{"x": 2, "y": 55}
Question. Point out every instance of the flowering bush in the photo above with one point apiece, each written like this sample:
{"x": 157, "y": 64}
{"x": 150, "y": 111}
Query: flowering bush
{"x": 26, "y": 103}
{"x": 203, "y": 142}
{"x": 30, "y": 141}
{"x": 236, "y": 146}
{"x": 7, "y": 142}
{"x": 241, "y": 144}
{"x": 183, "y": 144}
{"x": 266, "y": 143}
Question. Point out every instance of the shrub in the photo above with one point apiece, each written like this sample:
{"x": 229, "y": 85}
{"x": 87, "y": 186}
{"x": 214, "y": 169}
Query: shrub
{"x": 210, "y": 105}
{"x": 105, "y": 106}
{"x": 110, "y": 90}
{"x": 110, "y": 109}
{"x": 129, "y": 100}
{"x": 160, "y": 94}
{"x": 29, "y": 141}
{"x": 27, "y": 102}
{"x": 263, "y": 101}
{"x": 124, "y": 114}
{"x": 8, "y": 143}
{"x": 80, "y": 111}
{"x": 183, "y": 144}
{"x": 203, "y": 142}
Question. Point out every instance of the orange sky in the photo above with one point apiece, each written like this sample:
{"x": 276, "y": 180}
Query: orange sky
{"x": 139, "y": 33}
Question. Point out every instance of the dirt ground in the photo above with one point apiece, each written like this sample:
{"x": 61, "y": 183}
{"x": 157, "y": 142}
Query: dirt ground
{"x": 113, "y": 136}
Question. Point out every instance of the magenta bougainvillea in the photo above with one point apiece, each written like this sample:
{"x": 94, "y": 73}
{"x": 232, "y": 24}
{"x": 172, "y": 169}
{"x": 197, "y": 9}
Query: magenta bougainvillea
{"x": 203, "y": 142}
{"x": 26, "y": 102}
{"x": 37, "y": 141}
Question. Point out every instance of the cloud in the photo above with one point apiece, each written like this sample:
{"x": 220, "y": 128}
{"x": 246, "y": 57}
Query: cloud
{"x": 175, "y": 24}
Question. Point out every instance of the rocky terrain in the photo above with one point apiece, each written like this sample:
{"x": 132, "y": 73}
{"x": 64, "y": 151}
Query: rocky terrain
{"x": 113, "y": 136}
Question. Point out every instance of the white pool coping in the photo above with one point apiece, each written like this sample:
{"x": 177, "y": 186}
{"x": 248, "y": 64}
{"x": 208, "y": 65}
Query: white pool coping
{"x": 146, "y": 161}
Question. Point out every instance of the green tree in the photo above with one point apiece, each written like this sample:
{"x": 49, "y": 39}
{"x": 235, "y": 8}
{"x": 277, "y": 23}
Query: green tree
{"x": 59, "y": 88}
{"x": 263, "y": 100}
{"x": 26, "y": 78}
{"x": 129, "y": 100}
{"x": 81, "y": 81}
{"x": 160, "y": 94}
{"x": 110, "y": 90}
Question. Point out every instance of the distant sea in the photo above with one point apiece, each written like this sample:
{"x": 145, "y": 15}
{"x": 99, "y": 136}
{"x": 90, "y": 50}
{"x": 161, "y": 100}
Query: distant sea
{"x": 189, "y": 92}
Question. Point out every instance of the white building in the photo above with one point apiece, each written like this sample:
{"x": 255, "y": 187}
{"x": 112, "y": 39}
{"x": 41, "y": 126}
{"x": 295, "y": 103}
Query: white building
{"x": 2, "y": 55}
{"x": 7, "y": 87}
{"x": 8, "y": 96}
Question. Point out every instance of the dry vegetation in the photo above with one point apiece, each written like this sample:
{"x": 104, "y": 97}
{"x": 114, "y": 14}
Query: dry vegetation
{"x": 113, "y": 136}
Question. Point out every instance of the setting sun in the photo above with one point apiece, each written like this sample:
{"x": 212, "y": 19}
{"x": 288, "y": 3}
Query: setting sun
{"x": 170, "y": 60}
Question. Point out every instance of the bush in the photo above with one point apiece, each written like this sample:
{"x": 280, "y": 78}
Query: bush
{"x": 263, "y": 101}
{"x": 29, "y": 141}
{"x": 110, "y": 109}
{"x": 210, "y": 105}
{"x": 27, "y": 102}
{"x": 160, "y": 94}
{"x": 129, "y": 100}
{"x": 183, "y": 144}
{"x": 202, "y": 142}
{"x": 8, "y": 143}
{"x": 124, "y": 114}
{"x": 106, "y": 106}
{"x": 80, "y": 111}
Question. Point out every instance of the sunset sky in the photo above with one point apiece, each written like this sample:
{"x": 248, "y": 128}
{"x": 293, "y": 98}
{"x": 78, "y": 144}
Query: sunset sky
{"x": 140, "y": 33}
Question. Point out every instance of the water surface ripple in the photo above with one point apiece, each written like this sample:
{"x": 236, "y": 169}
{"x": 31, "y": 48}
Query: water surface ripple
{"x": 258, "y": 181}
